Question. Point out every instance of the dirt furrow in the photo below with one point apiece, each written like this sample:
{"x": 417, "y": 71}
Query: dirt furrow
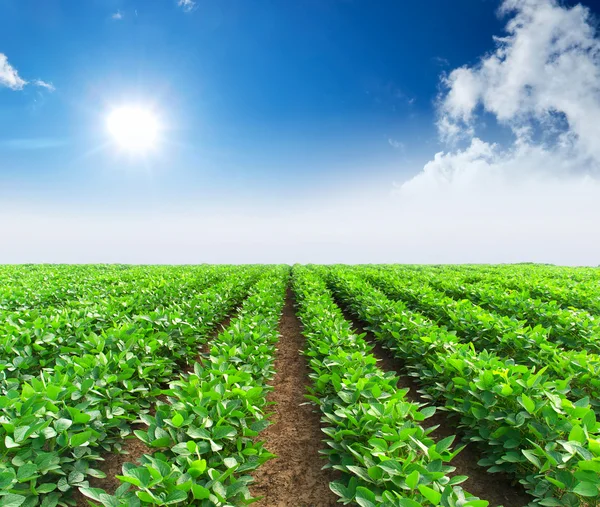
{"x": 295, "y": 476}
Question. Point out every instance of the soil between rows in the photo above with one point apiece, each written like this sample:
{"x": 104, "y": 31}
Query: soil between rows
{"x": 295, "y": 477}
{"x": 497, "y": 488}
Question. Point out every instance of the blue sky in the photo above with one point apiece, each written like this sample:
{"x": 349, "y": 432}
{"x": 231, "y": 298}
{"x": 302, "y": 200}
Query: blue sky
{"x": 267, "y": 105}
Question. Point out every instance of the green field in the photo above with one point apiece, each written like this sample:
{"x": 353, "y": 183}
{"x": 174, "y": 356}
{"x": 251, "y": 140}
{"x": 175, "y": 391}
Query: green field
{"x": 157, "y": 385}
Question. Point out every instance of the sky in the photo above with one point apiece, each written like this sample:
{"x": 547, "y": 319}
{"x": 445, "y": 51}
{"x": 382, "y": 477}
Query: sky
{"x": 309, "y": 131}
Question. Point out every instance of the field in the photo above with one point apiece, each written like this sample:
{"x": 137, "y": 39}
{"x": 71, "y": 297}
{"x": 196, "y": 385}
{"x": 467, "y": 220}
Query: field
{"x": 394, "y": 385}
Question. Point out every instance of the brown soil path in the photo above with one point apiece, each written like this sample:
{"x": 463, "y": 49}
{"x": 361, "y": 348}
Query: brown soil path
{"x": 498, "y": 489}
{"x": 295, "y": 477}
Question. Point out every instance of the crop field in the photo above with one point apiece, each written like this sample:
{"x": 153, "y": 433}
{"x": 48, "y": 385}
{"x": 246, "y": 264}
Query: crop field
{"x": 371, "y": 385}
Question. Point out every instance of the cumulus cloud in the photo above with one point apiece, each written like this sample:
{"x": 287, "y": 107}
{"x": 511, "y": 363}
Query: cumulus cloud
{"x": 542, "y": 83}
{"x": 547, "y": 64}
{"x": 9, "y": 76}
{"x": 187, "y": 5}
{"x": 117, "y": 15}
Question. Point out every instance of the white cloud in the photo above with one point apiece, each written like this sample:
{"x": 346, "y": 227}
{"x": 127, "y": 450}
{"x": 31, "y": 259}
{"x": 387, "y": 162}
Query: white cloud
{"x": 48, "y": 86}
{"x": 117, "y": 15}
{"x": 548, "y": 63}
{"x": 9, "y": 76}
{"x": 187, "y": 5}
{"x": 542, "y": 82}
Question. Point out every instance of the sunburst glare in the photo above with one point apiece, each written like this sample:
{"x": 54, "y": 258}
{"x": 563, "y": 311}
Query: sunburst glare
{"x": 134, "y": 128}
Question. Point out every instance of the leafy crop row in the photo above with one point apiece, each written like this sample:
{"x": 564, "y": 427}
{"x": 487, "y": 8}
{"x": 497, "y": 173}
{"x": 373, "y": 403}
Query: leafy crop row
{"x": 374, "y": 433}
{"x": 572, "y": 328}
{"x": 525, "y": 423}
{"x": 568, "y": 287}
{"x": 505, "y": 336}
{"x": 41, "y": 287}
{"x": 205, "y": 435}
{"x": 71, "y": 389}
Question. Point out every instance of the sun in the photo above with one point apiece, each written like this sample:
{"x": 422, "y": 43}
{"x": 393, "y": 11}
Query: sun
{"x": 134, "y": 128}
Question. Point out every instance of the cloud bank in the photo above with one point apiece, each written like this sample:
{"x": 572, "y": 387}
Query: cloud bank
{"x": 542, "y": 83}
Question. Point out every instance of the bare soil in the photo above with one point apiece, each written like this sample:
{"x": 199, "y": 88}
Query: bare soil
{"x": 295, "y": 477}
{"x": 497, "y": 488}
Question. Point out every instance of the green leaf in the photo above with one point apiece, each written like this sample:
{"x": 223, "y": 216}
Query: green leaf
{"x": 75, "y": 477}
{"x": 527, "y": 403}
{"x": 177, "y": 420}
{"x": 230, "y": 462}
{"x": 161, "y": 442}
{"x": 338, "y": 488}
{"x": 21, "y": 433}
{"x": 407, "y": 502}
{"x": 586, "y": 489}
{"x": 80, "y": 438}
{"x": 51, "y": 500}
{"x": 62, "y": 424}
{"x": 530, "y": 455}
{"x": 365, "y": 497}
{"x": 593, "y": 466}
{"x": 413, "y": 479}
{"x": 7, "y": 478}
{"x": 27, "y": 472}
{"x": 444, "y": 444}
{"x": 145, "y": 497}
{"x": 11, "y": 500}
{"x": 428, "y": 411}
{"x": 223, "y": 432}
{"x": 10, "y": 443}
{"x": 176, "y": 497}
{"x": 551, "y": 502}
{"x": 431, "y": 494}
{"x": 200, "y": 492}
{"x": 476, "y": 503}
{"x": 46, "y": 488}
{"x": 577, "y": 434}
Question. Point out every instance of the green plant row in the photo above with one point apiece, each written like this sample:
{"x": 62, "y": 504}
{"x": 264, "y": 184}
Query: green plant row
{"x": 502, "y": 335}
{"x": 569, "y": 287}
{"x": 574, "y": 329}
{"x": 375, "y": 436}
{"x": 205, "y": 435}
{"x": 524, "y": 422}
{"x": 66, "y": 399}
{"x": 60, "y": 286}
{"x": 571, "y": 327}
{"x": 31, "y": 341}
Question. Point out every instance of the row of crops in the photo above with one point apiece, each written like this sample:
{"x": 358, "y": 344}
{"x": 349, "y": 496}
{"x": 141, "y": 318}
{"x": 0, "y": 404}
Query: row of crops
{"x": 94, "y": 357}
